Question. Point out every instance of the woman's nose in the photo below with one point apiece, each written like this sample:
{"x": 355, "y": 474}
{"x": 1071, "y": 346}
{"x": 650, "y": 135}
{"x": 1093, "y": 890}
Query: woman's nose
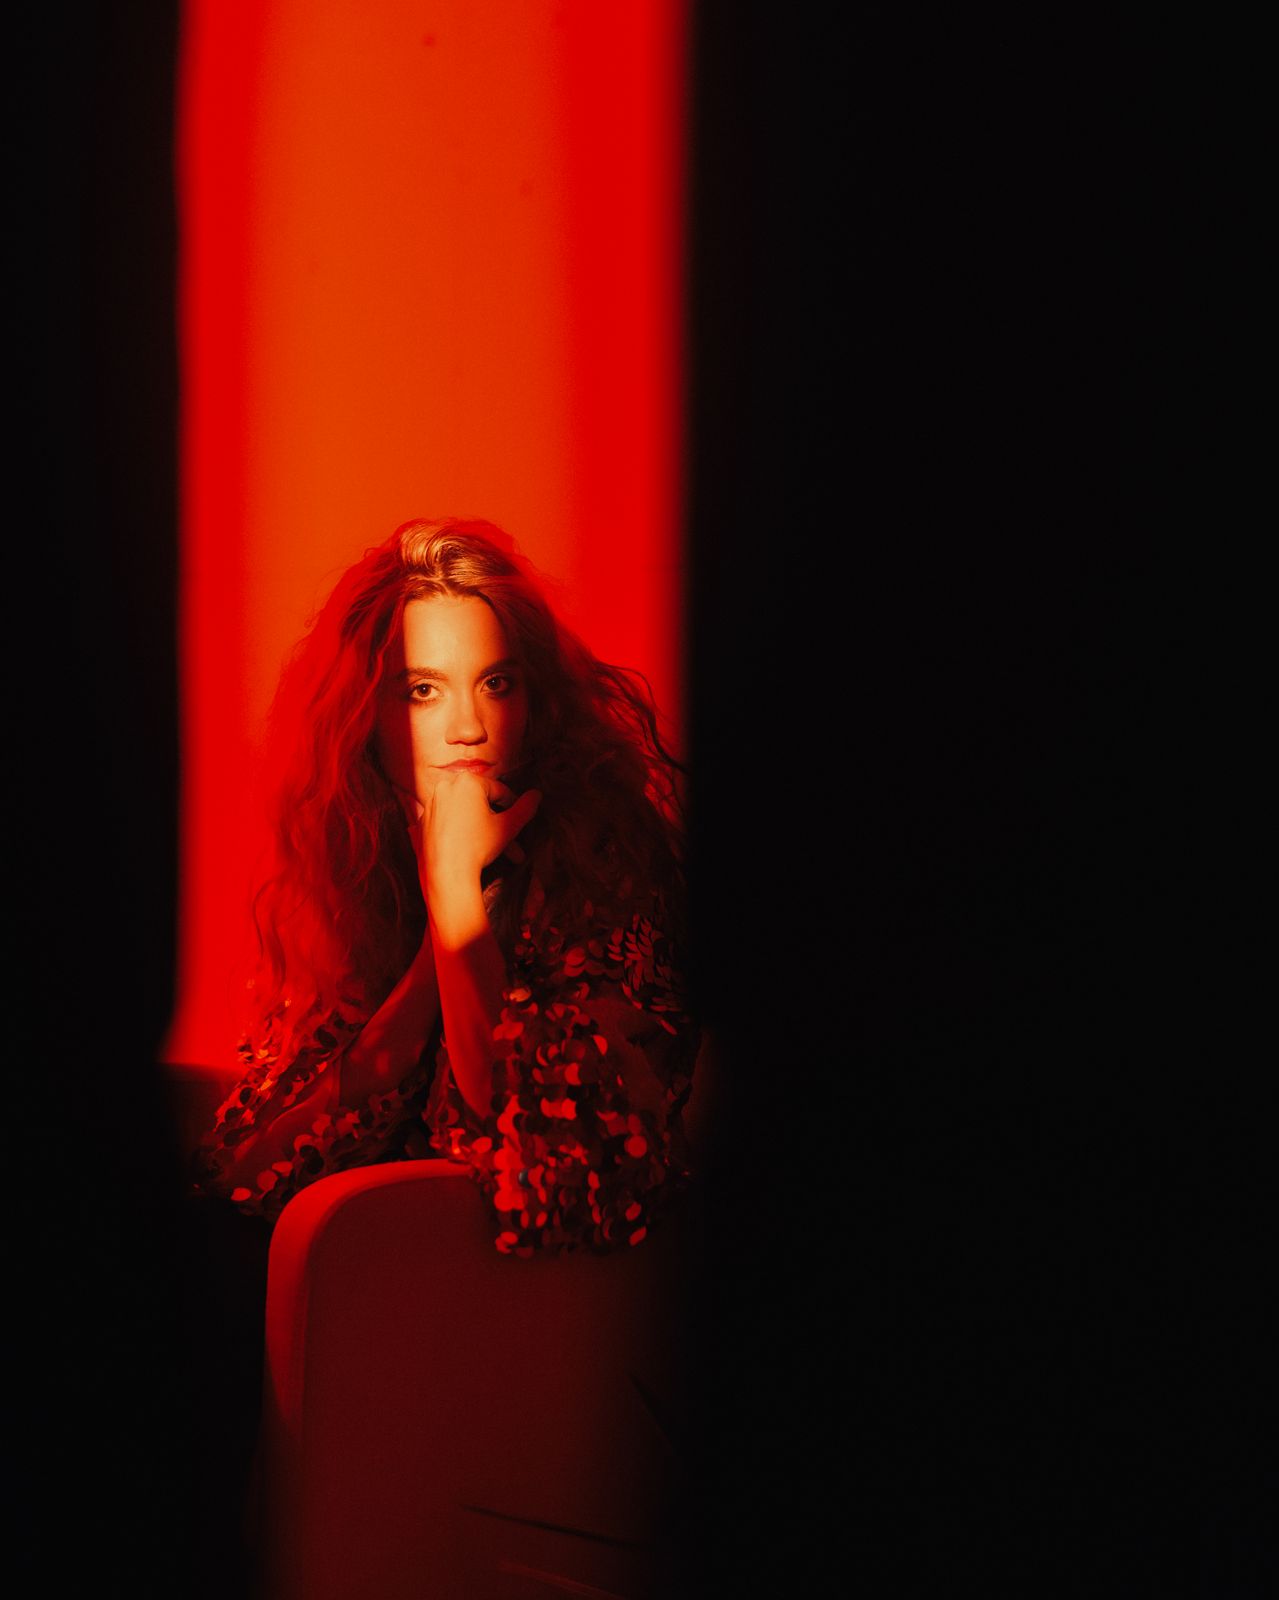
{"x": 466, "y": 726}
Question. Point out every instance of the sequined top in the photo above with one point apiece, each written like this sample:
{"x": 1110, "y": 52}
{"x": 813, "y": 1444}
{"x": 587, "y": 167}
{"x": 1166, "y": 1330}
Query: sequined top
{"x": 582, "y": 1145}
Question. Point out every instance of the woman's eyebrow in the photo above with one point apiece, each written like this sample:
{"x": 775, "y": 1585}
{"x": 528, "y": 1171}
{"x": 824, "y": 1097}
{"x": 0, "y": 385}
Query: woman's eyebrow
{"x": 436, "y": 676}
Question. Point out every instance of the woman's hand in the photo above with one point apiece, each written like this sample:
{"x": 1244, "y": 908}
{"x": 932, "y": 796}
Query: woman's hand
{"x": 458, "y": 835}
{"x": 457, "y": 832}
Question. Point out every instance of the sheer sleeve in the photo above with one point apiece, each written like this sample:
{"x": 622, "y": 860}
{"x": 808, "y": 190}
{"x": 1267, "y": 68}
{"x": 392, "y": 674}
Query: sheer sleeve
{"x": 275, "y": 1084}
{"x": 593, "y": 1062}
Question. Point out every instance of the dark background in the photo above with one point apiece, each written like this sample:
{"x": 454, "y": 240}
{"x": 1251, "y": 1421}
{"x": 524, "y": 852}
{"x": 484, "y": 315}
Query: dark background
{"x": 951, "y": 1328}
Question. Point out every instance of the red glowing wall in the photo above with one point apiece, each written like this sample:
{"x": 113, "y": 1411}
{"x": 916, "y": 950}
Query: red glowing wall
{"x": 431, "y": 264}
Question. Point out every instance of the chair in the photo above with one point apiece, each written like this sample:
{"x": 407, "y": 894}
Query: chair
{"x": 443, "y": 1422}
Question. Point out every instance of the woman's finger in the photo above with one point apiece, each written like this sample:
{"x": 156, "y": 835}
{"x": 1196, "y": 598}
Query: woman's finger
{"x": 517, "y": 815}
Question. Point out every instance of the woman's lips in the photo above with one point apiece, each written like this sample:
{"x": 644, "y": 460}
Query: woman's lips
{"x": 467, "y": 766}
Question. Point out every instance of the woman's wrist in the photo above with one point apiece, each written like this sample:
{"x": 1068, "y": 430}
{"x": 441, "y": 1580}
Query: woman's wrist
{"x": 455, "y": 908}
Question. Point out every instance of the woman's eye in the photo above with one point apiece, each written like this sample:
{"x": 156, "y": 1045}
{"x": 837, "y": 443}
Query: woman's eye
{"x": 421, "y": 691}
{"x": 499, "y": 684}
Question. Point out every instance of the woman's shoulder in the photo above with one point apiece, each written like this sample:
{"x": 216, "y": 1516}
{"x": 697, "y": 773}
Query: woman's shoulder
{"x": 554, "y": 910}
{"x": 626, "y": 943}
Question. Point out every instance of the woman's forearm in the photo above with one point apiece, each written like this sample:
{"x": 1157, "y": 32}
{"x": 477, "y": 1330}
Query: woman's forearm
{"x": 471, "y": 972}
{"x": 385, "y": 1051}
{"x": 393, "y": 1038}
{"x": 240, "y": 1165}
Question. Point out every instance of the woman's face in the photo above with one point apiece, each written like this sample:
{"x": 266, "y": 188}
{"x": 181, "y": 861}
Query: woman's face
{"x": 452, "y": 695}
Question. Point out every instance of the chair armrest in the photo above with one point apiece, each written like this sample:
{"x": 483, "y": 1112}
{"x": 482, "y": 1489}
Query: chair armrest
{"x": 440, "y": 1418}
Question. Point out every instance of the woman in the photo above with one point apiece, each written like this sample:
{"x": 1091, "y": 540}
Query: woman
{"x": 469, "y": 936}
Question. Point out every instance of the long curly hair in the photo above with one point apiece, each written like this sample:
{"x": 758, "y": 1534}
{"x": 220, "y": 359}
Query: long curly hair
{"x": 340, "y": 913}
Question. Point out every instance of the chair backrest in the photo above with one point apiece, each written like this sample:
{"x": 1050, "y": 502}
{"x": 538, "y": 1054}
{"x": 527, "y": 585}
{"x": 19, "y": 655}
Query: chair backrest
{"x": 443, "y": 1422}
